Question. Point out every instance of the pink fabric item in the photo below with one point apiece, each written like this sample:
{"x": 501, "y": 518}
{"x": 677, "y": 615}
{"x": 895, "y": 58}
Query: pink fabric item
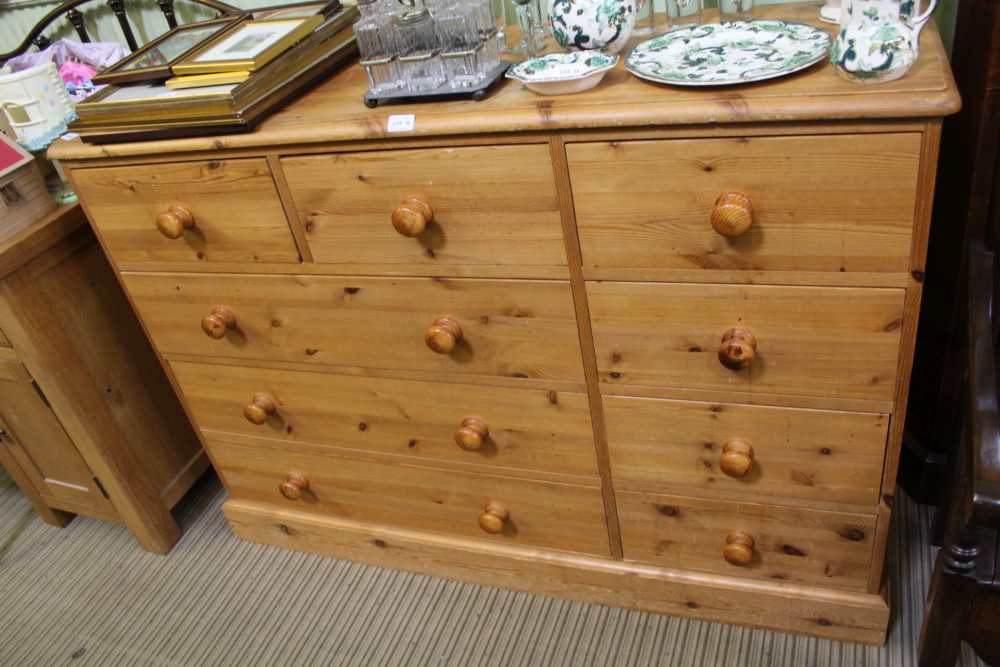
{"x": 77, "y": 73}
{"x": 98, "y": 54}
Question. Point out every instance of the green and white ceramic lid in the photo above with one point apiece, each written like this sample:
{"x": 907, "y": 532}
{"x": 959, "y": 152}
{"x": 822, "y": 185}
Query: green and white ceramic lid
{"x": 721, "y": 54}
{"x": 562, "y": 66}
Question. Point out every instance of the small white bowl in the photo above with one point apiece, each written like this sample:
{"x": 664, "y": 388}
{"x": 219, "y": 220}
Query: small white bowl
{"x": 563, "y": 73}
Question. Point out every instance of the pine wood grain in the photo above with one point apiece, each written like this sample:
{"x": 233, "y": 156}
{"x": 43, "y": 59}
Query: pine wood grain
{"x": 36, "y": 441}
{"x": 238, "y": 216}
{"x": 675, "y": 447}
{"x": 511, "y": 328}
{"x": 333, "y": 111}
{"x": 543, "y": 514}
{"x": 834, "y": 204}
{"x": 783, "y": 606}
{"x": 72, "y": 327}
{"x": 557, "y": 151}
{"x": 529, "y": 429}
{"x": 838, "y": 342}
{"x": 791, "y": 544}
{"x": 492, "y": 205}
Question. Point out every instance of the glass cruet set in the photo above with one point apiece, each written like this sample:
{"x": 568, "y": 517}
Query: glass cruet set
{"x": 411, "y": 47}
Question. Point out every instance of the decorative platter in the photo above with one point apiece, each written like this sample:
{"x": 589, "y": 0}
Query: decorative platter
{"x": 723, "y": 54}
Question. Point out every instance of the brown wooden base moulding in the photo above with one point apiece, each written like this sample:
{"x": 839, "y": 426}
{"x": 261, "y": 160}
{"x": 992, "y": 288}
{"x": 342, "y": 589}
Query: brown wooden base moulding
{"x": 854, "y": 617}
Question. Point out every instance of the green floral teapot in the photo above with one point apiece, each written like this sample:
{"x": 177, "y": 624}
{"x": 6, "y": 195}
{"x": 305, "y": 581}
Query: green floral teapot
{"x": 582, "y": 25}
{"x": 878, "y": 39}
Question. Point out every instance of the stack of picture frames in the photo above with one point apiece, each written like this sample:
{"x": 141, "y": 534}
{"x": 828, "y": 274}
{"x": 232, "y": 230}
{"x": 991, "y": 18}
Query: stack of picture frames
{"x": 218, "y": 76}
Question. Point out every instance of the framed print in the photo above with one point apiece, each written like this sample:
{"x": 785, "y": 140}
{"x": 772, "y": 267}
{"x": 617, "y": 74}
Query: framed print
{"x": 248, "y": 47}
{"x": 296, "y": 10}
{"x": 147, "y": 92}
{"x": 152, "y": 62}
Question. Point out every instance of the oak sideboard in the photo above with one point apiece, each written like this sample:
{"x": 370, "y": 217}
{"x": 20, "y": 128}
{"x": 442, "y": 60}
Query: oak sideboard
{"x": 89, "y": 424}
{"x": 643, "y": 346}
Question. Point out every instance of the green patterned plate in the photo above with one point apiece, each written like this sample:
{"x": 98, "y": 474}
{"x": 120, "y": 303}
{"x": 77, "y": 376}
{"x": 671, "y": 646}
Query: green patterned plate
{"x": 722, "y": 54}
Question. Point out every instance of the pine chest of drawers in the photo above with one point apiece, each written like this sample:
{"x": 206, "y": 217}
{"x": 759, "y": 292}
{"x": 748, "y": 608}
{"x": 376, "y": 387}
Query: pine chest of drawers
{"x": 642, "y": 346}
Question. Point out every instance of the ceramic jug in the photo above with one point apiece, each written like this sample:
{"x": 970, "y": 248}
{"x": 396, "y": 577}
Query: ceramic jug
{"x": 878, "y": 39}
{"x": 592, "y": 24}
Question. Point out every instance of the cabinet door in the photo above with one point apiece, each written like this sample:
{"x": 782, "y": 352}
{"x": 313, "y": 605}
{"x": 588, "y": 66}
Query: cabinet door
{"x": 36, "y": 441}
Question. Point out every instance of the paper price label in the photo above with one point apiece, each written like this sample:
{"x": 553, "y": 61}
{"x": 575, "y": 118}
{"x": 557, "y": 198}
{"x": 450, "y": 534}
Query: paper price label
{"x": 401, "y": 123}
{"x": 574, "y": 69}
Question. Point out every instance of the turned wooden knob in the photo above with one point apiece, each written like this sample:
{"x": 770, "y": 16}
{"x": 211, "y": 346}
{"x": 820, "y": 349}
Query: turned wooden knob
{"x": 412, "y": 216}
{"x": 733, "y": 214}
{"x": 738, "y": 349}
{"x": 472, "y": 433}
{"x": 494, "y": 517}
{"x": 218, "y": 322}
{"x": 739, "y": 549}
{"x": 260, "y": 407}
{"x": 173, "y": 221}
{"x": 443, "y": 335}
{"x": 736, "y": 459}
{"x": 294, "y": 485}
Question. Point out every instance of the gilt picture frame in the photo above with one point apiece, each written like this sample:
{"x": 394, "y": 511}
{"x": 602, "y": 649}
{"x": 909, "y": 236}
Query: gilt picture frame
{"x": 152, "y": 62}
{"x": 248, "y": 47}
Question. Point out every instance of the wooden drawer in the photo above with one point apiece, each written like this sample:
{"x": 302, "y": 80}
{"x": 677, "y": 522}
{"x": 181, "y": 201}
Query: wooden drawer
{"x": 508, "y": 328}
{"x": 788, "y": 544}
{"x": 526, "y": 429}
{"x": 746, "y": 452}
{"x": 492, "y": 206}
{"x": 540, "y": 514}
{"x": 235, "y": 207}
{"x": 841, "y": 203}
{"x": 836, "y": 342}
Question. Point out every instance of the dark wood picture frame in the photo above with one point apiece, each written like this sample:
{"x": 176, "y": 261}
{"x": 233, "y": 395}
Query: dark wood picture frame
{"x": 323, "y": 8}
{"x": 119, "y": 72}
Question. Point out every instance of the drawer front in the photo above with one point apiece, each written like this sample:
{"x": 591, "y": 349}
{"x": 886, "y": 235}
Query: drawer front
{"x": 836, "y": 342}
{"x": 234, "y": 209}
{"x": 786, "y": 544}
{"x": 538, "y": 514}
{"x": 517, "y": 429}
{"x": 505, "y": 328}
{"x": 819, "y": 203}
{"x": 489, "y": 205}
{"x": 746, "y": 452}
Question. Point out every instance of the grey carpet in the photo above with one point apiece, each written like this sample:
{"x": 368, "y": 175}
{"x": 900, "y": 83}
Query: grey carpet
{"x": 87, "y": 595}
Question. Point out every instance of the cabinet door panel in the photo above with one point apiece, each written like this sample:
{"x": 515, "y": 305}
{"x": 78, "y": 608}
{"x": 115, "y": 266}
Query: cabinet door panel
{"x": 35, "y": 439}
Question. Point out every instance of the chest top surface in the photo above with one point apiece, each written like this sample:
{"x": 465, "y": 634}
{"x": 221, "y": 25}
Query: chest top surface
{"x": 333, "y": 111}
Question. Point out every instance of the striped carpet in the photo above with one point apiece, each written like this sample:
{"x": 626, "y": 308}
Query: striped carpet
{"x": 87, "y": 595}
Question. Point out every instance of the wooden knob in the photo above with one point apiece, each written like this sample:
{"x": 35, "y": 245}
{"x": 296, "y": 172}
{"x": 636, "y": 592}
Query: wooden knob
{"x": 733, "y": 214}
{"x": 472, "y": 433}
{"x": 412, "y": 216}
{"x": 443, "y": 335}
{"x": 739, "y": 549}
{"x": 738, "y": 349}
{"x": 494, "y": 517}
{"x": 736, "y": 459}
{"x": 173, "y": 221}
{"x": 261, "y": 407}
{"x": 294, "y": 485}
{"x": 221, "y": 320}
